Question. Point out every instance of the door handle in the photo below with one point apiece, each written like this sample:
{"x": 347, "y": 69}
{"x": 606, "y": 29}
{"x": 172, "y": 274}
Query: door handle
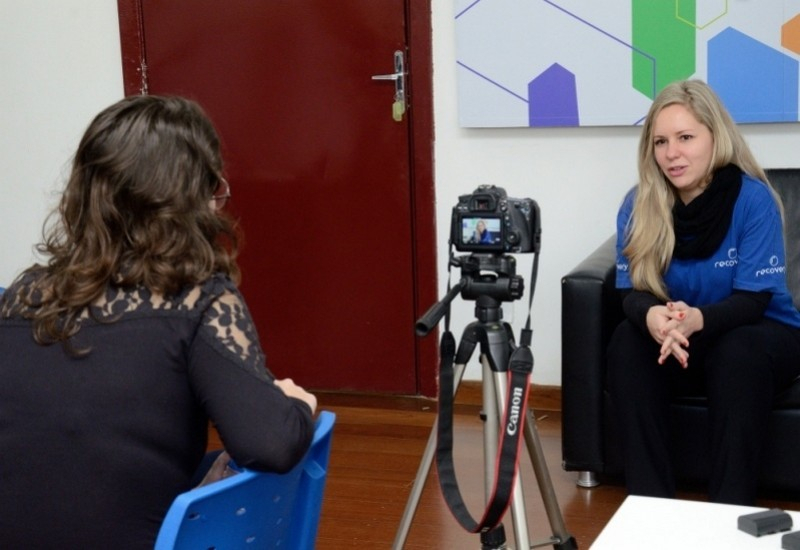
{"x": 399, "y": 78}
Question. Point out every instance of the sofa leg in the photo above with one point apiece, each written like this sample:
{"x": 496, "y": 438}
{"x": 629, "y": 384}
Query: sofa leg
{"x": 587, "y": 479}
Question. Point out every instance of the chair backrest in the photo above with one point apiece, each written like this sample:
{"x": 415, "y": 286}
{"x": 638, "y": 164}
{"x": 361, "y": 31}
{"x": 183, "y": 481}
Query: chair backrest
{"x": 254, "y": 509}
{"x": 786, "y": 182}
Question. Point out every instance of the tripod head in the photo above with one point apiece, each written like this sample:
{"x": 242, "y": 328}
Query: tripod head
{"x": 489, "y": 275}
{"x": 487, "y": 278}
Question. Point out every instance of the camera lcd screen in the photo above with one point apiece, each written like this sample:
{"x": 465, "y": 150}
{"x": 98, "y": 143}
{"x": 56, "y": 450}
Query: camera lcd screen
{"x": 480, "y": 231}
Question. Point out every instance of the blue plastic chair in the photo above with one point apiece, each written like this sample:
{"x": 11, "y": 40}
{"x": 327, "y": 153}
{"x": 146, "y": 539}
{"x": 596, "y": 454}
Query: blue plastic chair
{"x": 254, "y": 510}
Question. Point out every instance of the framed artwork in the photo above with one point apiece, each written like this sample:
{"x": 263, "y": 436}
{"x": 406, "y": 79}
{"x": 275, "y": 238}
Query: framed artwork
{"x": 556, "y": 63}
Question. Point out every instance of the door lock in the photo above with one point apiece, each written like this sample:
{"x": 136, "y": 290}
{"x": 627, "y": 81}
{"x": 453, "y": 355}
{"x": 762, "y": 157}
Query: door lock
{"x": 399, "y": 77}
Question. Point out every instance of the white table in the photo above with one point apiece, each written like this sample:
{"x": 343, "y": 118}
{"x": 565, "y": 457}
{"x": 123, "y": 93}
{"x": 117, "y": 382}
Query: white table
{"x": 657, "y": 523}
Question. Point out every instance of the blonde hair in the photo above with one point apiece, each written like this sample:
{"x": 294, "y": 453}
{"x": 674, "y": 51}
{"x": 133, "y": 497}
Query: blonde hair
{"x": 650, "y": 237}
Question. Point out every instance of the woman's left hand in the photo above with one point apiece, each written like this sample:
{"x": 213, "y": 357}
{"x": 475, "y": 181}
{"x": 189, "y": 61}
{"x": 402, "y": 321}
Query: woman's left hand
{"x": 219, "y": 469}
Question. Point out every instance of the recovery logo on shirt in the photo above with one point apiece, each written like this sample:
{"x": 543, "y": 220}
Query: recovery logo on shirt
{"x": 730, "y": 262}
{"x": 773, "y": 267}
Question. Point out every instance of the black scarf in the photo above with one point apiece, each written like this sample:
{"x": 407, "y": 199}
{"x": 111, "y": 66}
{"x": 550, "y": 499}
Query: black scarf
{"x": 701, "y": 225}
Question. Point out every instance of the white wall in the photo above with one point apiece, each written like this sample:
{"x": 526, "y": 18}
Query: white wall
{"x": 60, "y": 64}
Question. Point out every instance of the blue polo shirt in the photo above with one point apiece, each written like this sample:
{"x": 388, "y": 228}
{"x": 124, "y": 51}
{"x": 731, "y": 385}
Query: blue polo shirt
{"x": 751, "y": 257}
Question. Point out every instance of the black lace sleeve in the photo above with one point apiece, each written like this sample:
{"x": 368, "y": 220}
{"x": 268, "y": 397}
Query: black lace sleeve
{"x": 227, "y": 322}
{"x": 259, "y": 425}
{"x": 14, "y": 300}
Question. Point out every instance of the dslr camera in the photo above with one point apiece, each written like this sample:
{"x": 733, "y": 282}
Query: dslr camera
{"x": 490, "y": 221}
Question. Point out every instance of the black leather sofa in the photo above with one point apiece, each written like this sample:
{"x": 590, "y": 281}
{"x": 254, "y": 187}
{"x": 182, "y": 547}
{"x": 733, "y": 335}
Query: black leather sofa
{"x": 591, "y": 309}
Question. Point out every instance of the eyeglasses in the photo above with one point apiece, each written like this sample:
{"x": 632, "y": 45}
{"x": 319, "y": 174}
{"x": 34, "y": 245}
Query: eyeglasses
{"x": 221, "y": 194}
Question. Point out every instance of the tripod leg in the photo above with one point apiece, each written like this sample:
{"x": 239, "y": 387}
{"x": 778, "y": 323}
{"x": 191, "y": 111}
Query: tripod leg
{"x": 498, "y": 402}
{"x": 416, "y": 490}
{"x": 491, "y": 423}
{"x": 566, "y": 541}
{"x": 422, "y": 473}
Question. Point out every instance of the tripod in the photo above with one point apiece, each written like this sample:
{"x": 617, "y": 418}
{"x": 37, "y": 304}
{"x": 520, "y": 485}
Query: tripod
{"x": 496, "y": 347}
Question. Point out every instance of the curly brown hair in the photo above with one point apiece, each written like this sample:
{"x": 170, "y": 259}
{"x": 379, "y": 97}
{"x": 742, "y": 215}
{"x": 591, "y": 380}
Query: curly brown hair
{"x": 135, "y": 212}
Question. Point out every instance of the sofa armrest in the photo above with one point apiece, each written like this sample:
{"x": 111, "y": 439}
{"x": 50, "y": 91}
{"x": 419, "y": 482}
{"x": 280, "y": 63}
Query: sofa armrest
{"x": 590, "y": 310}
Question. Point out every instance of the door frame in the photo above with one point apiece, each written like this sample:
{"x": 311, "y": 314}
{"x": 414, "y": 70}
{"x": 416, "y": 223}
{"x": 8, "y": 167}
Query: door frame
{"x": 423, "y": 202}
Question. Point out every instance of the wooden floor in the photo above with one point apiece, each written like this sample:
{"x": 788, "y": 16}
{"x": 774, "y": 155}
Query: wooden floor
{"x": 378, "y": 443}
{"x": 377, "y": 448}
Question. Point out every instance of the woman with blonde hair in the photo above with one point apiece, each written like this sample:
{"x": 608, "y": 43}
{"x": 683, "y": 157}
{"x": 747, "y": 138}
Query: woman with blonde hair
{"x": 701, "y": 264}
{"x": 118, "y": 350}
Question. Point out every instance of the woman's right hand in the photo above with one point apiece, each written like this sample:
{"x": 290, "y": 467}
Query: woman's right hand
{"x": 661, "y": 323}
{"x": 657, "y": 319}
{"x": 291, "y": 389}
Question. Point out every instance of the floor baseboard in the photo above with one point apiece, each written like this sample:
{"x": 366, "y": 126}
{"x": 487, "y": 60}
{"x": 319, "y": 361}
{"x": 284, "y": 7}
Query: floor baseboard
{"x": 468, "y": 396}
{"x": 543, "y": 398}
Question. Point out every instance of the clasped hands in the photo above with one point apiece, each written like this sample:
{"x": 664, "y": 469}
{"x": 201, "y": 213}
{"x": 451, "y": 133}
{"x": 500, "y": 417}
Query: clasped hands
{"x": 671, "y": 325}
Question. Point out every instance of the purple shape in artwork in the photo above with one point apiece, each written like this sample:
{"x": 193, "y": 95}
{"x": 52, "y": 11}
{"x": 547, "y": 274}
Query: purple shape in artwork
{"x": 553, "y": 98}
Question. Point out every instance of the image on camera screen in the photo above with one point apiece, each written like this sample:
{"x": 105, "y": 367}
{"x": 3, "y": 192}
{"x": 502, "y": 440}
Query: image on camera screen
{"x": 480, "y": 231}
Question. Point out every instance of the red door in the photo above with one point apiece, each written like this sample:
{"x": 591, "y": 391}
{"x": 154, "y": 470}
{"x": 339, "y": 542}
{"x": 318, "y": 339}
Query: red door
{"x": 335, "y": 197}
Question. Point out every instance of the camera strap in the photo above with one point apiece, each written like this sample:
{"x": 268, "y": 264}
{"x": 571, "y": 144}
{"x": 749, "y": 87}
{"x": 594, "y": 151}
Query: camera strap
{"x": 511, "y": 434}
{"x": 510, "y": 439}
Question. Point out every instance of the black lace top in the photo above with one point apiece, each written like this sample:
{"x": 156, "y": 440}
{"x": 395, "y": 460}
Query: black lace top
{"x": 94, "y": 449}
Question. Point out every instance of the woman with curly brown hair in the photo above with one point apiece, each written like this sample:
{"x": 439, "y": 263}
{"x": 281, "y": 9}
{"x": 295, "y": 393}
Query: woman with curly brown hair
{"x": 119, "y": 349}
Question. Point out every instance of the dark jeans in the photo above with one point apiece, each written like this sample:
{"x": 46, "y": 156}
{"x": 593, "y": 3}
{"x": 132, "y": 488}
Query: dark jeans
{"x": 740, "y": 372}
